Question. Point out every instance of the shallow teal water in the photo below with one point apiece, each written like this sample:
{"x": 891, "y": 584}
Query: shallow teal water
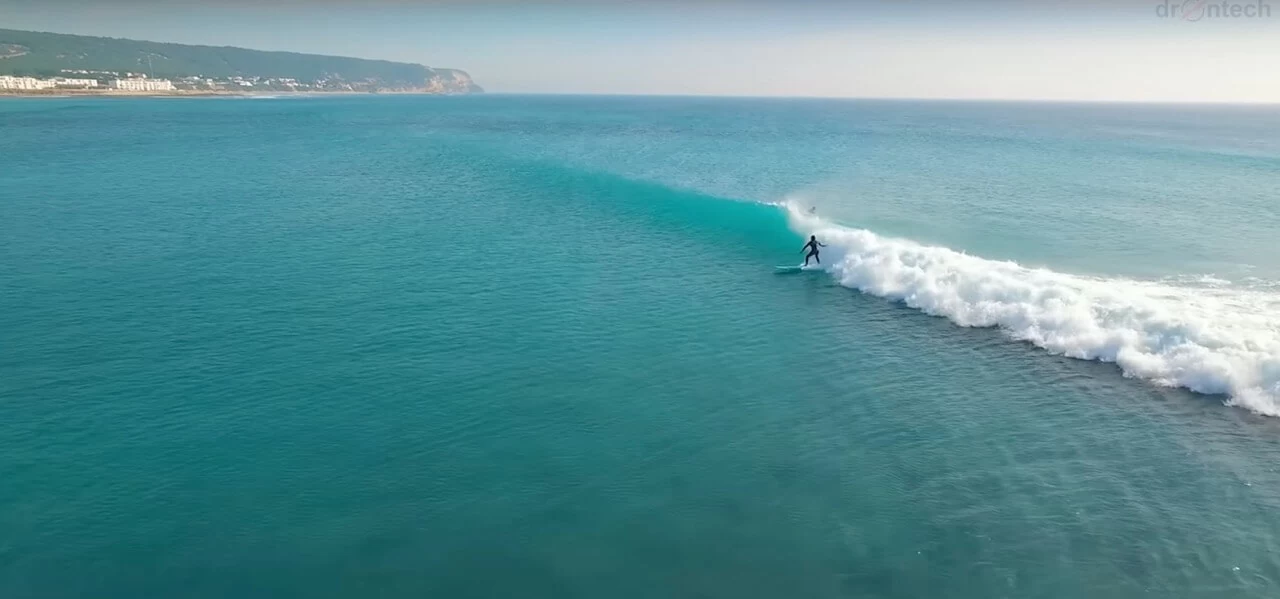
{"x": 506, "y": 346}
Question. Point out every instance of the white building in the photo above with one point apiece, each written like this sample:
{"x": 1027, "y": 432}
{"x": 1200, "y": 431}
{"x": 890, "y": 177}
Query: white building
{"x": 9, "y": 82}
{"x": 67, "y": 82}
{"x": 143, "y": 85}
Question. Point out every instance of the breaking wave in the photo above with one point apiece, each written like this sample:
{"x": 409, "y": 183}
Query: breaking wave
{"x": 1214, "y": 338}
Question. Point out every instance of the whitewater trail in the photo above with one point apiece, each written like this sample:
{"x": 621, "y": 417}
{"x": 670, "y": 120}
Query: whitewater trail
{"x": 1213, "y": 339}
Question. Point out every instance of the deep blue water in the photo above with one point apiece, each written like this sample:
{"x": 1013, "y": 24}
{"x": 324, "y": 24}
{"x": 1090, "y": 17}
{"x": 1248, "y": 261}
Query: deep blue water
{"x": 537, "y": 346}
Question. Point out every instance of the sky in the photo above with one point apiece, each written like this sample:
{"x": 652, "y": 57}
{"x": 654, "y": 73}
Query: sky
{"x": 1089, "y": 50}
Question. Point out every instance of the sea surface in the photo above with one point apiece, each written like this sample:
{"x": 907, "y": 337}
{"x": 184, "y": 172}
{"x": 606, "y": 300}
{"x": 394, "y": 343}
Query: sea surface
{"x": 508, "y": 346}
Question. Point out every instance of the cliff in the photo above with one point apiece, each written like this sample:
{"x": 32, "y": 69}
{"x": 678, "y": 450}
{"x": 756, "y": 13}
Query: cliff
{"x": 452, "y": 81}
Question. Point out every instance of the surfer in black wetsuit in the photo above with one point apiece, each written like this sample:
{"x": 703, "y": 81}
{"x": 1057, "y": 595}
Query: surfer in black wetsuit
{"x": 812, "y": 248}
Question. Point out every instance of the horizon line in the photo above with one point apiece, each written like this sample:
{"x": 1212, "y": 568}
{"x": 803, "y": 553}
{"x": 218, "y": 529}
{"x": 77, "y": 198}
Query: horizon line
{"x": 890, "y": 98}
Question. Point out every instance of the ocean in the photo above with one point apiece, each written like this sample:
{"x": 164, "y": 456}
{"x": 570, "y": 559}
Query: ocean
{"x": 506, "y": 346}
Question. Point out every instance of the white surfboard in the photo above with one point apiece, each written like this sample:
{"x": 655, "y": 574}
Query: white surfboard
{"x": 799, "y": 268}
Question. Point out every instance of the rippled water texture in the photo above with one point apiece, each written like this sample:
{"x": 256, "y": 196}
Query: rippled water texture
{"x": 538, "y": 347}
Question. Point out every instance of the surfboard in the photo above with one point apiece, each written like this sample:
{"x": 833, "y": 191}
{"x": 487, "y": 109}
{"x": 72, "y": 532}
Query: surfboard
{"x": 798, "y": 268}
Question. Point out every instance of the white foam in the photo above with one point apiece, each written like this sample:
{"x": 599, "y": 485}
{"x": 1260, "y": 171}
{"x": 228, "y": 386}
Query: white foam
{"x": 1215, "y": 339}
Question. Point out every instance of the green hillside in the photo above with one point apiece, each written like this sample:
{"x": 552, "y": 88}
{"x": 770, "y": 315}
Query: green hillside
{"x": 48, "y": 54}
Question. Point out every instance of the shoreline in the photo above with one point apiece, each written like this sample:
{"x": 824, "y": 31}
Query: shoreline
{"x": 76, "y": 93}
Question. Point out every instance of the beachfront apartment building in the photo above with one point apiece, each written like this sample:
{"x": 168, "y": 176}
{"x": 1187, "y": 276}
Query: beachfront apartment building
{"x": 143, "y": 85}
{"x": 10, "y": 82}
{"x": 31, "y": 83}
{"x": 70, "y": 82}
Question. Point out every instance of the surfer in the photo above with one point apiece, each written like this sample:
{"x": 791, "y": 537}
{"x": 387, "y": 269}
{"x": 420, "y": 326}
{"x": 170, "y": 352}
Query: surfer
{"x": 812, "y": 248}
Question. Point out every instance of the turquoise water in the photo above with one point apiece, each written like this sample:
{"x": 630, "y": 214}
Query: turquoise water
{"x": 537, "y": 347}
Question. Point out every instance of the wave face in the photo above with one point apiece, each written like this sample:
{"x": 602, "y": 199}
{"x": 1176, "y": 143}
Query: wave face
{"x": 1215, "y": 339}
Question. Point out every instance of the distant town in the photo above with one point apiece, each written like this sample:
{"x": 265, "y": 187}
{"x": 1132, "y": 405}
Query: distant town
{"x": 137, "y": 82}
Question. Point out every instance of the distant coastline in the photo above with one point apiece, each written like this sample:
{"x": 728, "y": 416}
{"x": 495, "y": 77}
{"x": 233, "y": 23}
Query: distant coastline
{"x": 113, "y": 93}
{"x": 40, "y": 64}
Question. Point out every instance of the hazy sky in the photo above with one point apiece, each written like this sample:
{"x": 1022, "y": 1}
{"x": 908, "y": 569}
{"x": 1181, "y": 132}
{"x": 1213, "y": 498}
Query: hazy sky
{"x": 1065, "y": 49}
